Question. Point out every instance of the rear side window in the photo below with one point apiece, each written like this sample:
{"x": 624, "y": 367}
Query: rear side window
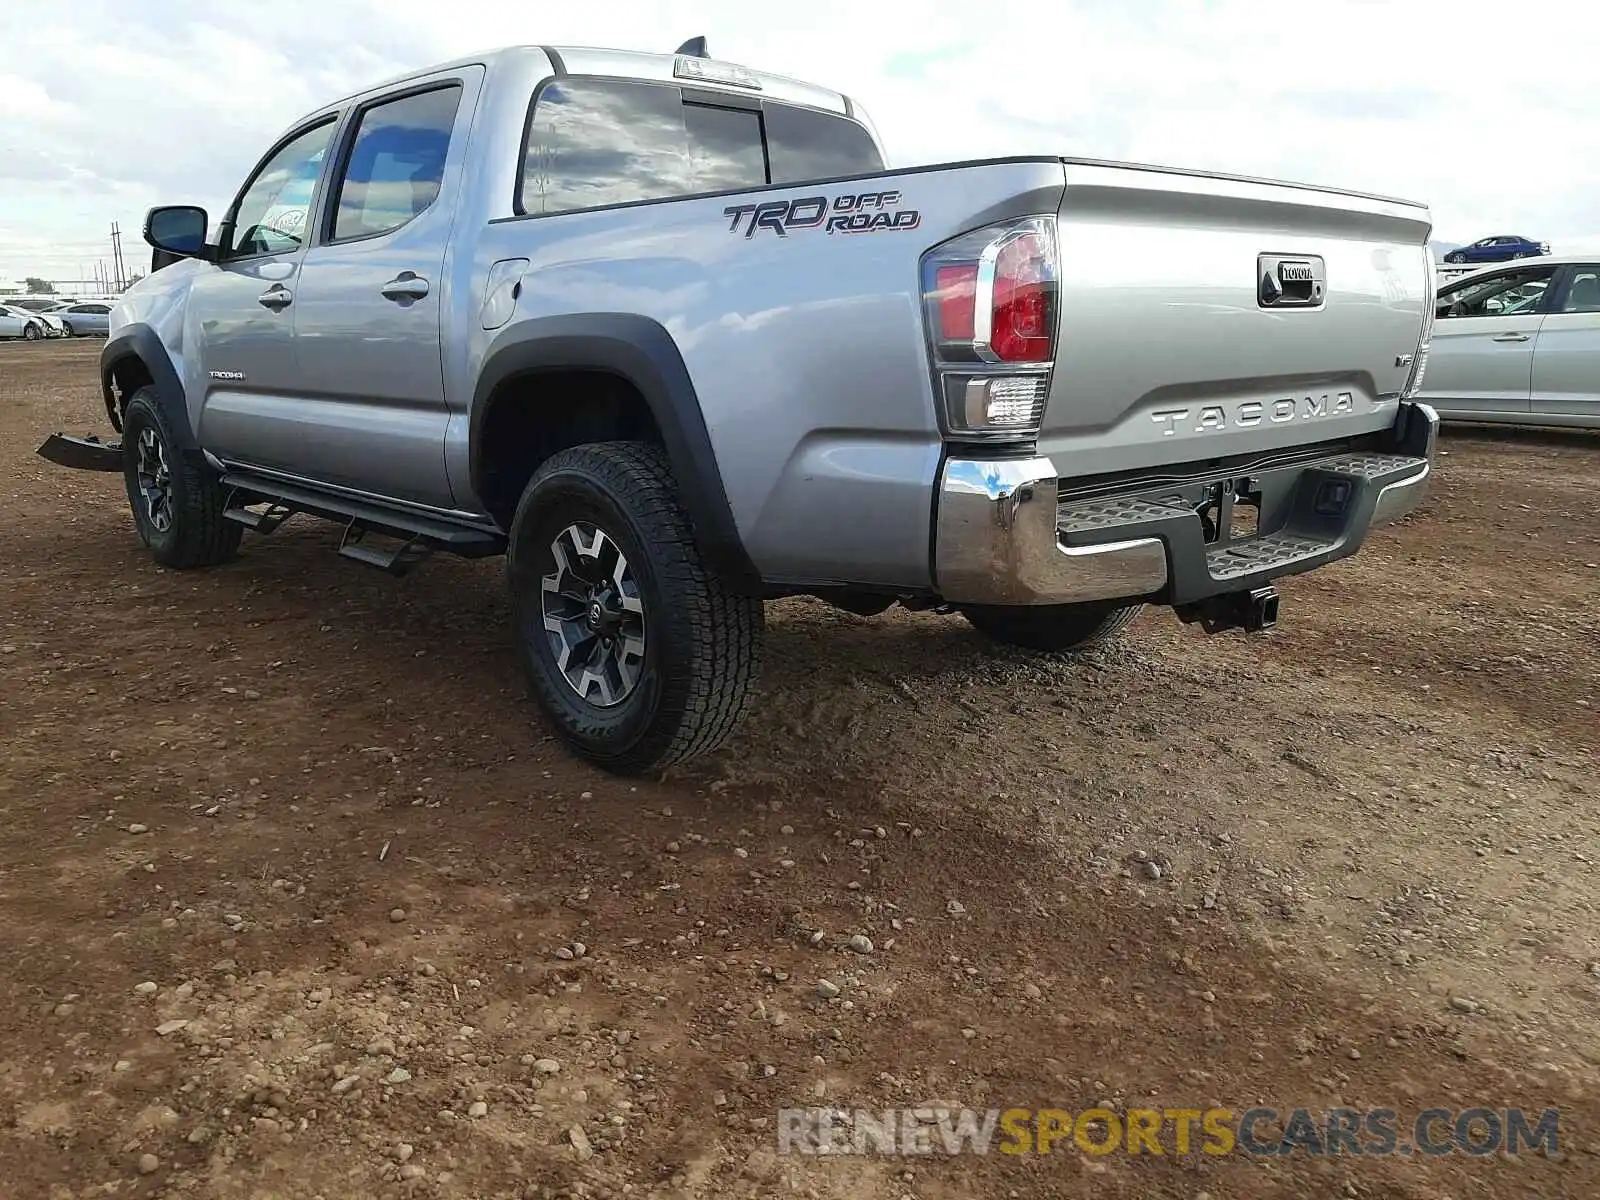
{"x": 597, "y": 142}
{"x": 396, "y": 163}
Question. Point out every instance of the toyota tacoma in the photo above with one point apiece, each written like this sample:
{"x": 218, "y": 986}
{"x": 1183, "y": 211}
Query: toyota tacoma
{"x": 668, "y": 334}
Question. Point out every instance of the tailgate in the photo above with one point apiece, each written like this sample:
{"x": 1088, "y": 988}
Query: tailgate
{"x": 1203, "y": 317}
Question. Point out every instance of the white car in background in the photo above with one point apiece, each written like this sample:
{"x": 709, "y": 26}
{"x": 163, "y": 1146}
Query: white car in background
{"x": 1519, "y": 343}
{"x": 29, "y": 325}
{"x": 85, "y": 317}
{"x": 54, "y": 324}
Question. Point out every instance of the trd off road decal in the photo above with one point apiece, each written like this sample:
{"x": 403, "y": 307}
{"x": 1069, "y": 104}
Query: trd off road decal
{"x": 857, "y": 212}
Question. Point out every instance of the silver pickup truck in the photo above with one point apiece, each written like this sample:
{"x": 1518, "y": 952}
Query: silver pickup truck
{"x": 667, "y": 333}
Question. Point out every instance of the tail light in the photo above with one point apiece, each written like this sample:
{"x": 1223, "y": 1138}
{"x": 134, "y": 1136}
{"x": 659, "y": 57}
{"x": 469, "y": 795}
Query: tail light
{"x": 1430, "y": 306}
{"x": 990, "y": 299}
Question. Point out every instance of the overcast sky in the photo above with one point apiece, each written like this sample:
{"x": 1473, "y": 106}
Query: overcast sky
{"x": 1488, "y": 111}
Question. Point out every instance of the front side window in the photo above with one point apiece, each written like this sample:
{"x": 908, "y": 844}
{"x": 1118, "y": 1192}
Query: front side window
{"x": 270, "y": 217}
{"x": 1514, "y": 293}
{"x": 597, "y": 142}
{"x": 396, "y": 163}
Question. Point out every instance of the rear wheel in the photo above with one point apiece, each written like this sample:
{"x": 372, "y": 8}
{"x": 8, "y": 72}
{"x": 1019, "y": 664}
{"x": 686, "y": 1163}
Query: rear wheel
{"x": 634, "y": 648}
{"x": 1051, "y": 627}
{"x": 177, "y": 502}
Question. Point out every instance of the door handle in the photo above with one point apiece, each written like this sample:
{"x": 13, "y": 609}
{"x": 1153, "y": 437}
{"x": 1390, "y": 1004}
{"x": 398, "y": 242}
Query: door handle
{"x": 1511, "y": 337}
{"x": 277, "y": 296}
{"x": 408, "y": 285}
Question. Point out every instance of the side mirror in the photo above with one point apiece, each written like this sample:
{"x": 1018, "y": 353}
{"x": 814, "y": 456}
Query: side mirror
{"x": 177, "y": 229}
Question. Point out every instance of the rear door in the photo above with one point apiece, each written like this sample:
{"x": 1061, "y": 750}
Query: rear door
{"x": 1566, "y": 358}
{"x": 1481, "y": 362}
{"x": 372, "y": 293}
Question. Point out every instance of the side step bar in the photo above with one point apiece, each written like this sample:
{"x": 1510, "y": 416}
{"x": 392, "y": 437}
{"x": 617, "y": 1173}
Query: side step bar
{"x": 262, "y": 522}
{"x": 418, "y": 535}
{"x": 82, "y": 453}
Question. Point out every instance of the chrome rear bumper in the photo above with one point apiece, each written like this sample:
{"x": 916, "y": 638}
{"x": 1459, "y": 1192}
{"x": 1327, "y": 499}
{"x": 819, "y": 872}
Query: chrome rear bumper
{"x": 1003, "y": 536}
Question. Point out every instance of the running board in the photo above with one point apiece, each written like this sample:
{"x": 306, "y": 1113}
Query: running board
{"x": 419, "y": 535}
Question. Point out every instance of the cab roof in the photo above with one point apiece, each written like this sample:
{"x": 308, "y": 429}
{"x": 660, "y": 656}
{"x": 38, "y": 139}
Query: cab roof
{"x": 627, "y": 64}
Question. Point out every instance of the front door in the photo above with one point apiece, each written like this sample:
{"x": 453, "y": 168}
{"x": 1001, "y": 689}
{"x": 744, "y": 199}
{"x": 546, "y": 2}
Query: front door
{"x": 1482, "y": 356}
{"x": 241, "y": 310}
{"x": 371, "y": 293}
{"x": 1566, "y": 362}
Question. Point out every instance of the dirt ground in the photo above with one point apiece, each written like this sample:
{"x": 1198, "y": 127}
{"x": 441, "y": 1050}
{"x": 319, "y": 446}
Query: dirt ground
{"x": 299, "y": 898}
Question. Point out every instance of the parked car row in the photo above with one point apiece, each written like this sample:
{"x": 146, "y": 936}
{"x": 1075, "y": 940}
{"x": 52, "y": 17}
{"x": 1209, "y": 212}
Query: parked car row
{"x": 33, "y": 318}
{"x": 1519, "y": 343}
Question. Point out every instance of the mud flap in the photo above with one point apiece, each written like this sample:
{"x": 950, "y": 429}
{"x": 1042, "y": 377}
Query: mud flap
{"x": 82, "y": 453}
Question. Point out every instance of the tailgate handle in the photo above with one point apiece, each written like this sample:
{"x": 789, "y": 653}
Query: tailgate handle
{"x": 1511, "y": 337}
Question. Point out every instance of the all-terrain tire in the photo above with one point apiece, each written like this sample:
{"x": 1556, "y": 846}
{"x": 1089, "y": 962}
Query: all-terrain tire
{"x": 1051, "y": 627}
{"x": 701, "y": 639}
{"x": 194, "y": 532}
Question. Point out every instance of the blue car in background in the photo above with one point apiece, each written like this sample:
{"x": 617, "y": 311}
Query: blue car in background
{"x": 1501, "y": 248}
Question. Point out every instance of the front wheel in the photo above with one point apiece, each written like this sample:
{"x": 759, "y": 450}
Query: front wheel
{"x": 177, "y": 502}
{"x": 1455, "y": 258}
{"x": 32, "y": 333}
{"x": 1051, "y": 628}
{"x": 639, "y": 654}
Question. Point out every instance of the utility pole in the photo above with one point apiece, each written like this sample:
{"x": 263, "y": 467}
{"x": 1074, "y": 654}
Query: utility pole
{"x": 116, "y": 256}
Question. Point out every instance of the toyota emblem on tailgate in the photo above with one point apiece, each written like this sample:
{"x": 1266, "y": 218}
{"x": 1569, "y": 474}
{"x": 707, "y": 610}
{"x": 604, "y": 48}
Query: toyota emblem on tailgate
{"x": 1290, "y": 280}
